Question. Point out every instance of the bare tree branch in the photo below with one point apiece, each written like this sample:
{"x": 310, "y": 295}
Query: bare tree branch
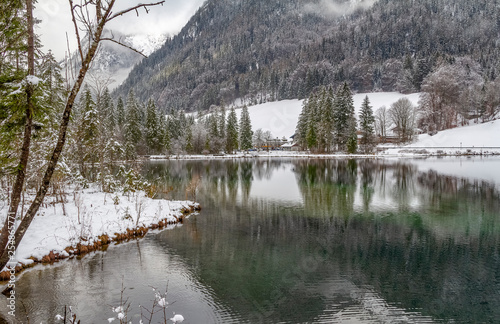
{"x": 135, "y": 8}
{"x": 78, "y": 40}
{"x": 124, "y": 45}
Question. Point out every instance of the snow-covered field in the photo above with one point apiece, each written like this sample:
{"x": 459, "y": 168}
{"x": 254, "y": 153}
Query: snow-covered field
{"x": 474, "y": 139}
{"x": 481, "y": 135}
{"x": 88, "y": 214}
{"x": 280, "y": 117}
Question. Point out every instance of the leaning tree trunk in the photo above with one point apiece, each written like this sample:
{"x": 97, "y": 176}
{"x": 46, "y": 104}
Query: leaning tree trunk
{"x": 103, "y": 15}
{"x": 33, "y": 209}
{"x": 25, "y": 150}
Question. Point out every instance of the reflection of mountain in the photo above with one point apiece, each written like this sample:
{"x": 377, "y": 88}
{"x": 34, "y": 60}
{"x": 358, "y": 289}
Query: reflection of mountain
{"x": 346, "y": 248}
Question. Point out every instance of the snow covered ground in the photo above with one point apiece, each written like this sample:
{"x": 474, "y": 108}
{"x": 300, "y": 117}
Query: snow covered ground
{"x": 474, "y": 139}
{"x": 88, "y": 214}
{"x": 280, "y": 117}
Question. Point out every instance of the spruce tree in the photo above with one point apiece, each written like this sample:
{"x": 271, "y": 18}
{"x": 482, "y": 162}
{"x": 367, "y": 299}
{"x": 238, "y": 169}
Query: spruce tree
{"x": 189, "y": 140}
{"x": 221, "y": 122}
{"x": 107, "y": 113}
{"x": 164, "y": 134}
{"x": 232, "y": 132}
{"x": 133, "y": 127}
{"x": 152, "y": 128}
{"x": 87, "y": 131}
{"x": 326, "y": 120}
{"x": 367, "y": 126}
{"x": 120, "y": 114}
{"x": 345, "y": 119}
{"x": 302, "y": 123}
{"x": 245, "y": 130}
{"x": 313, "y": 118}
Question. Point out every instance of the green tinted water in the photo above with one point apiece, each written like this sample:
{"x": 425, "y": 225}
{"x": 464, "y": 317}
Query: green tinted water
{"x": 303, "y": 241}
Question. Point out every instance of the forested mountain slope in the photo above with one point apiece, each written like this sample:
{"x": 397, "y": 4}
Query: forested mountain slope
{"x": 269, "y": 50}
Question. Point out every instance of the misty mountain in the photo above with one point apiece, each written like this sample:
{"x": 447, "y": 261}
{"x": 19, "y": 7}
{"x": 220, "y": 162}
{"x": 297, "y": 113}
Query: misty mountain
{"x": 115, "y": 61}
{"x": 261, "y": 50}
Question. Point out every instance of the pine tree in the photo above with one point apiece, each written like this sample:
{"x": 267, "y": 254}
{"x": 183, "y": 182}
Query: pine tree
{"x": 189, "y": 140}
{"x": 133, "y": 127}
{"x": 87, "y": 132}
{"x": 107, "y": 113}
{"x": 232, "y": 132}
{"x": 345, "y": 119}
{"x": 152, "y": 128}
{"x": 120, "y": 114}
{"x": 367, "y": 126}
{"x": 326, "y": 120}
{"x": 221, "y": 122}
{"x": 302, "y": 123}
{"x": 213, "y": 144}
{"x": 245, "y": 130}
{"x": 313, "y": 118}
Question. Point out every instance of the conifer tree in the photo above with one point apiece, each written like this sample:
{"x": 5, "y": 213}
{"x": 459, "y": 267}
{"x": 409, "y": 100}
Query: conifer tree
{"x": 313, "y": 123}
{"x": 301, "y": 128}
{"x": 164, "y": 134}
{"x": 221, "y": 122}
{"x": 120, "y": 114}
{"x": 107, "y": 113}
{"x": 326, "y": 120}
{"x": 87, "y": 132}
{"x": 232, "y": 132}
{"x": 133, "y": 129}
{"x": 213, "y": 134}
{"x": 152, "y": 128}
{"x": 189, "y": 140}
{"x": 367, "y": 126}
{"x": 345, "y": 119}
{"x": 245, "y": 130}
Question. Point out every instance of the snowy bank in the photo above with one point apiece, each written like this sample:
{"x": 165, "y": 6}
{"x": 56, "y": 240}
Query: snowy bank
{"x": 89, "y": 219}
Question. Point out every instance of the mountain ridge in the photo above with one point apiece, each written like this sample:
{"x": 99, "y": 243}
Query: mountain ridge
{"x": 261, "y": 51}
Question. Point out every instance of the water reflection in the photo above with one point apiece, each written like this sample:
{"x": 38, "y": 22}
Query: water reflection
{"x": 423, "y": 246}
{"x": 295, "y": 241}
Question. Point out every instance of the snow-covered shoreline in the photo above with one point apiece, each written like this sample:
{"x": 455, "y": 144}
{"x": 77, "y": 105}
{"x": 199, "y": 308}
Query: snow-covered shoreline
{"x": 384, "y": 152}
{"x": 89, "y": 219}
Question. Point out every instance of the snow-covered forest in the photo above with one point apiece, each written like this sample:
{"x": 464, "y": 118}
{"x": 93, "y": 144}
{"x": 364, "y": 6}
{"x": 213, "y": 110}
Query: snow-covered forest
{"x": 266, "y": 51}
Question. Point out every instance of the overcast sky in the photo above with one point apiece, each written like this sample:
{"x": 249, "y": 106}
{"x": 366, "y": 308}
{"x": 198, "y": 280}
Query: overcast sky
{"x": 56, "y": 21}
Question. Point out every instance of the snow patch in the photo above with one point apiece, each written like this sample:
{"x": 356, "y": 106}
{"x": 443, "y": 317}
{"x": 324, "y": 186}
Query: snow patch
{"x": 86, "y": 215}
{"x": 280, "y": 117}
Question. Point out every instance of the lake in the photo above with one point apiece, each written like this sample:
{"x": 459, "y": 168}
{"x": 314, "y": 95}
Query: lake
{"x": 300, "y": 241}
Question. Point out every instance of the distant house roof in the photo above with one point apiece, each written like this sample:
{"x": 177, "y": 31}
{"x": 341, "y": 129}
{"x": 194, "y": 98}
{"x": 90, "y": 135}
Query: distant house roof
{"x": 289, "y": 144}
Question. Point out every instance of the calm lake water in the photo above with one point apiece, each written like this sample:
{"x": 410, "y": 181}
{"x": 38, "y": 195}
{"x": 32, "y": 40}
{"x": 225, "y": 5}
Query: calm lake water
{"x": 301, "y": 241}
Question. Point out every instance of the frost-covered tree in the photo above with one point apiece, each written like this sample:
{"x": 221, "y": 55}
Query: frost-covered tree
{"x": 345, "y": 119}
{"x": 382, "y": 123}
{"x": 367, "y": 126}
{"x": 120, "y": 114}
{"x": 442, "y": 98}
{"x": 246, "y": 133}
{"x": 87, "y": 131}
{"x": 133, "y": 126}
{"x": 232, "y": 132}
{"x": 152, "y": 129}
{"x": 403, "y": 115}
{"x": 103, "y": 15}
{"x": 301, "y": 128}
{"x": 326, "y": 119}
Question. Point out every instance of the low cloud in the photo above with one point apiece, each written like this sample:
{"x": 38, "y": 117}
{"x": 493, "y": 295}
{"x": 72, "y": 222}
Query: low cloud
{"x": 56, "y": 22}
{"x": 336, "y": 8}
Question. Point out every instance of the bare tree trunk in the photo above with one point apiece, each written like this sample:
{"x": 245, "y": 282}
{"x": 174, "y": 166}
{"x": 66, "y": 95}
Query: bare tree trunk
{"x": 25, "y": 150}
